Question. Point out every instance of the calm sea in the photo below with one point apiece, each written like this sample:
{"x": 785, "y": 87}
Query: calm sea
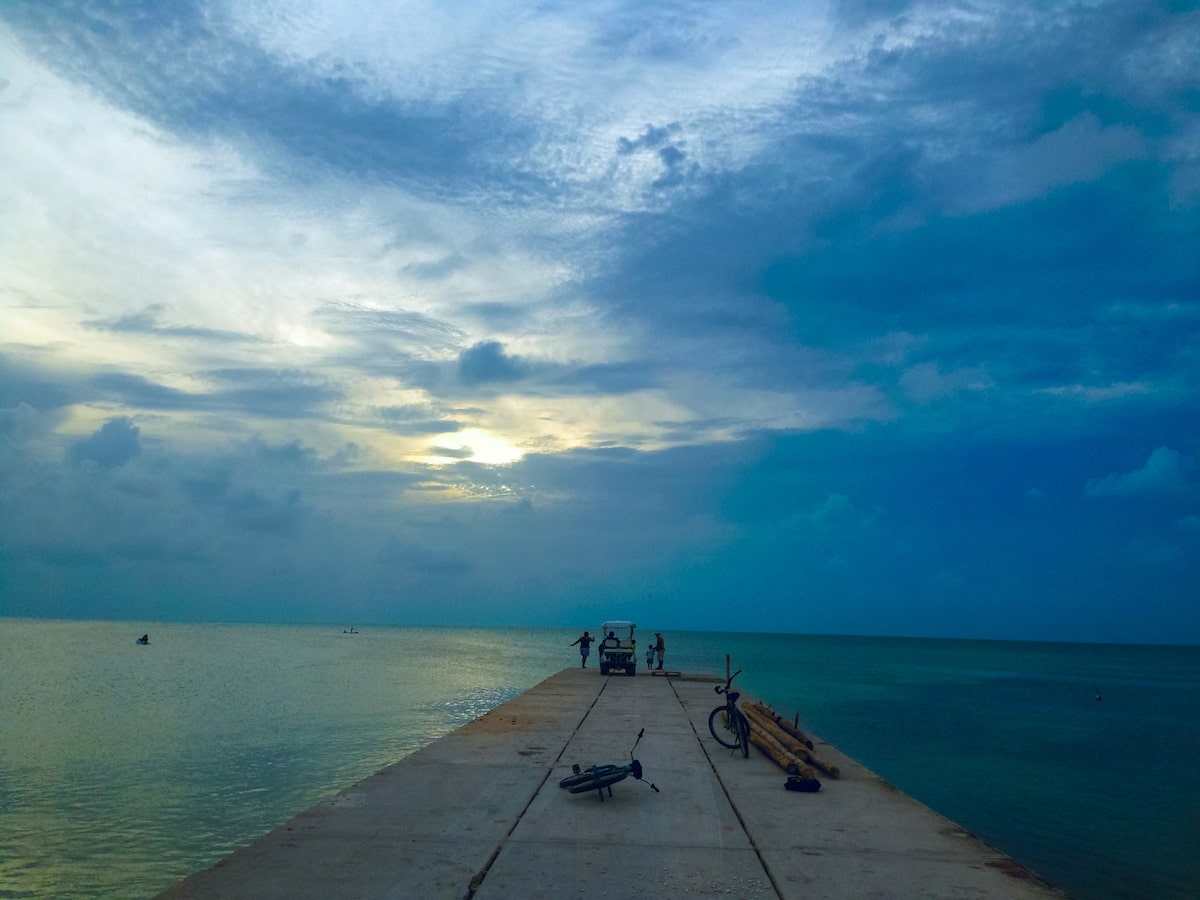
{"x": 124, "y": 768}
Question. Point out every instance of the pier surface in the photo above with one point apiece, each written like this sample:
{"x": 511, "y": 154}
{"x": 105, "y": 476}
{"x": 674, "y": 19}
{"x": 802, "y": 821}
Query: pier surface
{"x": 479, "y": 814}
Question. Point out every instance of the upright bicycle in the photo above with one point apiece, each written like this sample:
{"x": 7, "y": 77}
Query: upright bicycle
{"x": 727, "y": 723}
{"x": 597, "y": 778}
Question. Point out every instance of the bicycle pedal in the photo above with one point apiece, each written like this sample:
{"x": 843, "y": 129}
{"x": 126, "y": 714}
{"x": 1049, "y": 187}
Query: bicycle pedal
{"x": 575, "y": 769}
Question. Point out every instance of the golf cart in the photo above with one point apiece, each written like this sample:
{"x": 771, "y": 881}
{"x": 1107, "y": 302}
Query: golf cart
{"x": 617, "y": 648}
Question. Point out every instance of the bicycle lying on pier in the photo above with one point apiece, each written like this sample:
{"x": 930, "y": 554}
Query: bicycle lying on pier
{"x": 597, "y": 778}
{"x": 727, "y": 723}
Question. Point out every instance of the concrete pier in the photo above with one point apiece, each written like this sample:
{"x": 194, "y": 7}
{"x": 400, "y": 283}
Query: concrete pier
{"x": 479, "y": 814}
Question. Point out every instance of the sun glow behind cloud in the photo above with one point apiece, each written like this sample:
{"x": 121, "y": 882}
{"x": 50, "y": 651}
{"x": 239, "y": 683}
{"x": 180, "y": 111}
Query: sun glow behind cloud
{"x": 666, "y": 274}
{"x": 473, "y": 445}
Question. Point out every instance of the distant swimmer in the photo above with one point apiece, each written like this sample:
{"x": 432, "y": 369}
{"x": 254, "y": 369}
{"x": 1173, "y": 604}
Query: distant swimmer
{"x": 144, "y": 639}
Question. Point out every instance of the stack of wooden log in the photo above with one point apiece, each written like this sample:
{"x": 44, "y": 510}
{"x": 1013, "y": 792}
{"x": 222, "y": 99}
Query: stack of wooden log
{"x": 783, "y": 742}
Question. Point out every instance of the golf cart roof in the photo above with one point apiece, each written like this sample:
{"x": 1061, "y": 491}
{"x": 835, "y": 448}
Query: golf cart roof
{"x": 616, "y": 623}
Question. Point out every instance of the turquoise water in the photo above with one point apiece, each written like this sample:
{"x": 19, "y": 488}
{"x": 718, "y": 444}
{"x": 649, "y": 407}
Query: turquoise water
{"x": 124, "y": 768}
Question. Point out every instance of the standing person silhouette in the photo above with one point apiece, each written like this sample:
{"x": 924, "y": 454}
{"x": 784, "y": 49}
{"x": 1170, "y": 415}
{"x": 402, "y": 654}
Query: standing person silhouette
{"x": 660, "y": 648}
{"x": 585, "y": 642}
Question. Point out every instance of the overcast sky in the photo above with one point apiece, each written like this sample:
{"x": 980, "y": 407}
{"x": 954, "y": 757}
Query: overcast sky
{"x": 872, "y": 317}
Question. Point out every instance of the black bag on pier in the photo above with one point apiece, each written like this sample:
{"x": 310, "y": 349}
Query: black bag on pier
{"x": 799, "y": 783}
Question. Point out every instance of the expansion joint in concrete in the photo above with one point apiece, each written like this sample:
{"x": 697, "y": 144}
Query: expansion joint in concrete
{"x": 477, "y": 879}
{"x": 732, "y": 804}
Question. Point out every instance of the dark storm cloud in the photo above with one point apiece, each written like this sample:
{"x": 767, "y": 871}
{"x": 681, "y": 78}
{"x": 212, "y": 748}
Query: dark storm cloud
{"x": 604, "y": 378}
{"x": 953, "y": 248}
{"x": 668, "y": 481}
{"x": 22, "y": 384}
{"x": 833, "y": 516}
{"x": 292, "y": 453}
{"x": 146, "y": 322}
{"x": 271, "y": 393}
{"x": 419, "y": 558}
{"x": 135, "y": 390}
{"x": 485, "y": 369}
{"x": 417, "y": 419}
{"x": 496, "y": 316}
{"x": 879, "y": 211}
{"x": 207, "y": 484}
{"x": 1041, "y": 264}
{"x": 254, "y": 485}
{"x": 114, "y": 444}
{"x": 487, "y": 363}
{"x": 257, "y": 511}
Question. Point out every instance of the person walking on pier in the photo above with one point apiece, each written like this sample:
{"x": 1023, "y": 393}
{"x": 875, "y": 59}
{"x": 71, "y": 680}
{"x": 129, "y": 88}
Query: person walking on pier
{"x": 660, "y": 648}
{"x": 584, "y": 641}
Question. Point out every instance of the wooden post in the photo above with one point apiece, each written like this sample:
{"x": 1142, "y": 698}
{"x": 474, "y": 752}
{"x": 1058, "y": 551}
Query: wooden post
{"x": 796, "y": 744}
{"x": 771, "y": 748}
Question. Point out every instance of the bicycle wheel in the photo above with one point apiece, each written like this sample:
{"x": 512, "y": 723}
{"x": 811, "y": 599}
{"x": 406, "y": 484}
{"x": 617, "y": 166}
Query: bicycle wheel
{"x": 572, "y": 781}
{"x": 722, "y": 729}
{"x": 743, "y": 732}
{"x": 599, "y": 781}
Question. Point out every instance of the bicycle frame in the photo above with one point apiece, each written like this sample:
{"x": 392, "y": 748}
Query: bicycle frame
{"x": 597, "y": 778}
{"x": 728, "y": 718}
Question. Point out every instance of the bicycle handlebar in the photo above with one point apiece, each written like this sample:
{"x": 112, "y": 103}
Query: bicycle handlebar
{"x": 635, "y": 743}
{"x": 728, "y": 682}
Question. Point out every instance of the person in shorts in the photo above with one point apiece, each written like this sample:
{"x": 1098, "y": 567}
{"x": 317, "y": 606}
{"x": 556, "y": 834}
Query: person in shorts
{"x": 585, "y": 642}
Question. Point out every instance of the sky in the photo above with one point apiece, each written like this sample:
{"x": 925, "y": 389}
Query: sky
{"x": 873, "y": 317}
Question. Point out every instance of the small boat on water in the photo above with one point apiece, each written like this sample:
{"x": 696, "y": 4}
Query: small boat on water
{"x": 144, "y": 639}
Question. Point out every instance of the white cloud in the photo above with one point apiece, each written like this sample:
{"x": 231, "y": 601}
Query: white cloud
{"x": 1166, "y": 472}
{"x": 580, "y": 78}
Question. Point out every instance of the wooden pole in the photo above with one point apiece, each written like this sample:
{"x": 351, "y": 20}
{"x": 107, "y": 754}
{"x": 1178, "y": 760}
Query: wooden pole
{"x": 781, "y": 730}
{"x": 772, "y": 749}
{"x": 766, "y": 724}
{"x": 768, "y": 743}
{"x": 785, "y": 725}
